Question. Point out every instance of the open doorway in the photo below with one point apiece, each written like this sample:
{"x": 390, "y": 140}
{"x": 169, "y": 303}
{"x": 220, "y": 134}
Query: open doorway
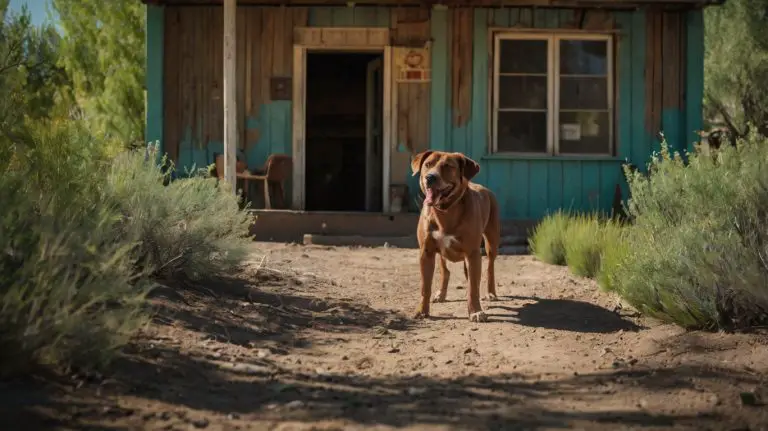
{"x": 344, "y": 118}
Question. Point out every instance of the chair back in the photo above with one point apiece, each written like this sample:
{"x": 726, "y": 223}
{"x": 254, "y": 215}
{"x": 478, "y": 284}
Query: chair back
{"x": 278, "y": 167}
{"x": 240, "y": 166}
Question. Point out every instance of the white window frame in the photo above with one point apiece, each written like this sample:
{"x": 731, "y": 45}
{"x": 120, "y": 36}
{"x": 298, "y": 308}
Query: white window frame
{"x": 553, "y": 89}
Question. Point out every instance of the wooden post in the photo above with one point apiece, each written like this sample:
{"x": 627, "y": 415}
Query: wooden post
{"x": 230, "y": 95}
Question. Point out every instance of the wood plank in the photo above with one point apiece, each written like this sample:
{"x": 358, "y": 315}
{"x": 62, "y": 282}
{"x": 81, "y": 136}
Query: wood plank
{"x": 298, "y": 132}
{"x": 671, "y": 64}
{"x": 248, "y": 84}
{"x": 201, "y": 82}
{"x": 653, "y": 71}
{"x": 461, "y": 64}
{"x": 277, "y": 41}
{"x": 230, "y": 92}
{"x": 467, "y": 44}
{"x": 242, "y": 59}
{"x": 267, "y": 52}
{"x": 171, "y": 82}
{"x": 658, "y": 80}
{"x": 215, "y": 79}
{"x": 257, "y": 26}
{"x": 388, "y": 122}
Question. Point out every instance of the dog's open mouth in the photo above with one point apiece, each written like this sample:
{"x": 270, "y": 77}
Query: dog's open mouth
{"x": 434, "y": 195}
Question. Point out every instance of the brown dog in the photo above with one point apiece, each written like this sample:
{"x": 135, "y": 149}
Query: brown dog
{"x": 457, "y": 215}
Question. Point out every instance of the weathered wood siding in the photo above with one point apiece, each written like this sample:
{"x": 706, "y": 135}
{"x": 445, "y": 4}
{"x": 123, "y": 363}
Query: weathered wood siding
{"x": 658, "y": 85}
{"x": 193, "y": 108}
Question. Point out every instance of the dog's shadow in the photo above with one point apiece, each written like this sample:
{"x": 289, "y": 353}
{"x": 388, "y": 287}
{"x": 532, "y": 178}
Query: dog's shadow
{"x": 562, "y": 314}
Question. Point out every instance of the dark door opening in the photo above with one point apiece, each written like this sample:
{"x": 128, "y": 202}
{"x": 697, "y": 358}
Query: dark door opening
{"x": 343, "y": 130}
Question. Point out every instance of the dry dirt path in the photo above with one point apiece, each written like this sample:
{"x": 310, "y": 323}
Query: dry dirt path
{"x": 323, "y": 340}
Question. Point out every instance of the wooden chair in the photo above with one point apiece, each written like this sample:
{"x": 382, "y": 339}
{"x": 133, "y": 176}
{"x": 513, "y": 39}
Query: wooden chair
{"x": 277, "y": 169}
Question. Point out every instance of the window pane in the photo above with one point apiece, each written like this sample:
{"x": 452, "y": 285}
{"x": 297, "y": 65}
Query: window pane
{"x": 584, "y": 133}
{"x": 522, "y": 131}
{"x": 584, "y": 57}
{"x": 523, "y": 92}
{"x": 522, "y": 56}
{"x": 583, "y": 93}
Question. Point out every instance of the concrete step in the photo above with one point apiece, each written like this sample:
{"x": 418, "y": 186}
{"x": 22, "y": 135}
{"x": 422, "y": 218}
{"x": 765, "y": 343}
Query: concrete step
{"x": 508, "y": 246}
{"x": 290, "y": 226}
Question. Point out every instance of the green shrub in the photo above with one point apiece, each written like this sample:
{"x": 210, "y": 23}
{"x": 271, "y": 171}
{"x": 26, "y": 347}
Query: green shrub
{"x": 697, "y": 254}
{"x": 586, "y": 240}
{"x": 188, "y": 229}
{"x": 615, "y": 248}
{"x": 69, "y": 293}
{"x": 548, "y": 239}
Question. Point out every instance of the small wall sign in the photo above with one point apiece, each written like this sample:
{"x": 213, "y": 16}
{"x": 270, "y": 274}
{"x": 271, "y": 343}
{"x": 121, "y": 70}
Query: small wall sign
{"x": 280, "y": 88}
{"x": 412, "y": 64}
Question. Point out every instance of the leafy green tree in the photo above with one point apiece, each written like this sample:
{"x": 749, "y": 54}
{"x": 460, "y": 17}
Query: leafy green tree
{"x": 736, "y": 66}
{"x": 32, "y": 85}
{"x": 103, "y": 52}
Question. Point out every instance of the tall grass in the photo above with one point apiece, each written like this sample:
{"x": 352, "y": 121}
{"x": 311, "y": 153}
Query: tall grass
{"x": 587, "y": 240}
{"x": 548, "y": 239}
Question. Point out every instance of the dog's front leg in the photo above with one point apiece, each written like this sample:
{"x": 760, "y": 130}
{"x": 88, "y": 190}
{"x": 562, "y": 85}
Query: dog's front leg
{"x": 427, "y": 264}
{"x": 474, "y": 262}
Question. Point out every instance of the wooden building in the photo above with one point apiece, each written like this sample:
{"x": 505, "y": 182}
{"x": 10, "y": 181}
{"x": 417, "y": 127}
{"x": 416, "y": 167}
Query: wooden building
{"x": 549, "y": 96}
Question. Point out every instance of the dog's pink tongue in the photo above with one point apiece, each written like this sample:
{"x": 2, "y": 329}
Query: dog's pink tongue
{"x": 429, "y": 196}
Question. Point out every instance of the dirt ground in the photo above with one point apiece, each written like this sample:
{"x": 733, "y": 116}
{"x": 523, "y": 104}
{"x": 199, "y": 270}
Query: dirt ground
{"x": 321, "y": 338}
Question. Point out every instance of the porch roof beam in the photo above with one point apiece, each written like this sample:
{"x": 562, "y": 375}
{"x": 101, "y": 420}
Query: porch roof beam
{"x": 607, "y": 4}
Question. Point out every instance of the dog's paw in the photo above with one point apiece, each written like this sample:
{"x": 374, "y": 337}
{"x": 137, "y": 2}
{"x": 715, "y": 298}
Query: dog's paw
{"x": 421, "y": 315}
{"x": 478, "y": 317}
{"x": 439, "y": 298}
{"x": 491, "y": 297}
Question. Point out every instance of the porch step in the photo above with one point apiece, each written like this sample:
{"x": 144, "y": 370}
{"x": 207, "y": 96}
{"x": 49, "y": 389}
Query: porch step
{"x": 291, "y": 226}
{"x": 361, "y": 241}
{"x": 510, "y": 245}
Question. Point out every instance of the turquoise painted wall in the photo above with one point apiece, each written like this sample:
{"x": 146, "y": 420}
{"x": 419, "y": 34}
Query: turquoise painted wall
{"x": 527, "y": 187}
{"x": 531, "y": 187}
{"x": 154, "y": 77}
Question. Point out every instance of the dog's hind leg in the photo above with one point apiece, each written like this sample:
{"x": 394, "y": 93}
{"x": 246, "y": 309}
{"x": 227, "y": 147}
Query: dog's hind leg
{"x": 445, "y": 276}
{"x": 492, "y": 237}
{"x": 491, "y": 252}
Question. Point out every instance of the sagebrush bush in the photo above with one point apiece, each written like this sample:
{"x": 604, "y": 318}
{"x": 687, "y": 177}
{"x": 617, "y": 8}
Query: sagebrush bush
{"x": 586, "y": 239}
{"x": 547, "y": 241}
{"x": 188, "y": 229}
{"x": 69, "y": 291}
{"x": 697, "y": 254}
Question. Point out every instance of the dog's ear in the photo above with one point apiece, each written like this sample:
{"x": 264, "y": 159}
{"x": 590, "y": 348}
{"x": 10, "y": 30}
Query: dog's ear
{"x": 469, "y": 167}
{"x": 418, "y": 160}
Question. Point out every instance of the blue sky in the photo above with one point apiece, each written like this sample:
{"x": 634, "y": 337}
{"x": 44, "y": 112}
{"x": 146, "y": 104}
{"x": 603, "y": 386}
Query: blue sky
{"x": 37, "y": 8}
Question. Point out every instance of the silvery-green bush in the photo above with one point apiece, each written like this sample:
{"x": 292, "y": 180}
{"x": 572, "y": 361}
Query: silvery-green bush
{"x": 70, "y": 293}
{"x": 187, "y": 229}
{"x": 697, "y": 252}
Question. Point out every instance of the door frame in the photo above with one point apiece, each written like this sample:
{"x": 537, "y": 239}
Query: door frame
{"x": 298, "y": 197}
{"x": 370, "y": 110}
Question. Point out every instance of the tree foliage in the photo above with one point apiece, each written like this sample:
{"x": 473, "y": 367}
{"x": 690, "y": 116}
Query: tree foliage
{"x": 32, "y": 85}
{"x": 736, "y": 66}
{"x": 103, "y": 53}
